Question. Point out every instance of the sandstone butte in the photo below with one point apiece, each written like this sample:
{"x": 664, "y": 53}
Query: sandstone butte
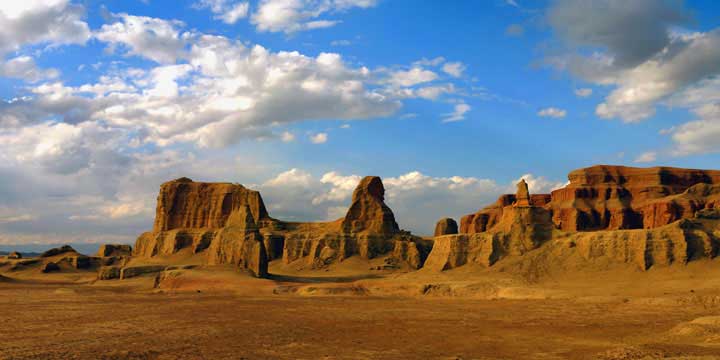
{"x": 642, "y": 217}
{"x": 229, "y": 224}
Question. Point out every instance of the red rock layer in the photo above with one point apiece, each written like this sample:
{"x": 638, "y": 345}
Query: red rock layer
{"x": 607, "y": 197}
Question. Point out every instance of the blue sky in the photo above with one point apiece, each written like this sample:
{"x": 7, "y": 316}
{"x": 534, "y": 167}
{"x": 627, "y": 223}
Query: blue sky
{"x": 450, "y": 102}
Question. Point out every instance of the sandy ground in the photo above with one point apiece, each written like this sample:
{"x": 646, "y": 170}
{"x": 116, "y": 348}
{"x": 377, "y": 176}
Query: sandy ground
{"x": 198, "y": 315}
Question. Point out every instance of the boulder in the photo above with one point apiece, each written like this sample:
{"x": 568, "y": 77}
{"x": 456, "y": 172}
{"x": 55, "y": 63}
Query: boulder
{"x": 114, "y": 250}
{"x": 446, "y": 226}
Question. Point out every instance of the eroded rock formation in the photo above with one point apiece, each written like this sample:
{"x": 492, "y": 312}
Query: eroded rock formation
{"x": 229, "y": 224}
{"x": 446, "y": 226}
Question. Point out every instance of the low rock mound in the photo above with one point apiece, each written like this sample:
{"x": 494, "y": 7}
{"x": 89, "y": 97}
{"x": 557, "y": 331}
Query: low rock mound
{"x": 108, "y": 250}
{"x": 59, "y": 250}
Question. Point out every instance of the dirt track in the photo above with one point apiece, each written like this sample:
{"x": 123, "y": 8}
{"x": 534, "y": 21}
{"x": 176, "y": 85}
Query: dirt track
{"x": 83, "y": 322}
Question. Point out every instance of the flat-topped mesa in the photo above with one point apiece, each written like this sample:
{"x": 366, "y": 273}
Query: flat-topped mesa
{"x": 184, "y": 204}
{"x": 219, "y": 220}
{"x": 368, "y": 212}
{"x": 607, "y": 197}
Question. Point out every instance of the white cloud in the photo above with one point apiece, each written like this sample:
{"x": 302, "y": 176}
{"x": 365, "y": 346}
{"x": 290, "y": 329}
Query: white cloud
{"x": 552, "y": 112}
{"x": 291, "y": 16}
{"x": 227, "y": 11}
{"x": 51, "y": 22}
{"x": 414, "y": 76}
{"x": 646, "y": 157}
{"x": 583, "y": 92}
{"x": 319, "y": 138}
{"x": 24, "y": 67}
{"x": 287, "y": 136}
{"x": 156, "y": 39}
{"x": 16, "y": 218}
{"x": 454, "y": 69}
{"x": 639, "y": 47}
{"x": 458, "y": 114}
{"x": 537, "y": 184}
{"x": 701, "y": 135}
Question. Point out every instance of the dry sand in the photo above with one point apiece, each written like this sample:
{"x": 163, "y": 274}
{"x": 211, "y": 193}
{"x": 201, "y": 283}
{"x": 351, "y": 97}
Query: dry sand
{"x": 217, "y": 313}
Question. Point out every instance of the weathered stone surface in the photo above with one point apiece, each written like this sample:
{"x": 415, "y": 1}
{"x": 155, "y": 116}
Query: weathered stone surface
{"x": 229, "y": 224}
{"x": 614, "y": 197}
{"x": 109, "y": 273}
{"x": 57, "y": 251}
{"x": 49, "y": 267}
{"x": 130, "y": 272}
{"x": 522, "y": 196}
{"x": 14, "y": 255}
{"x": 368, "y": 212}
{"x": 446, "y": 226}
{"x": 184, "y": 204}
{"x": 114, "y": 250}
{"x": 618, "y": 197}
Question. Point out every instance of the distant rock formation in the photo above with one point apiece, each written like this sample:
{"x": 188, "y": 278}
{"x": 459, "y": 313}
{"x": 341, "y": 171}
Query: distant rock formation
{"x": 57, "y": 251}
{"x": 520, "y": 228}
{"x": 618, "y": 197}
{"x": 612, "y": 214}
{"x": 229, "y": 224}
{"x": 15, "y": 255}
{"x": 607, "y": 197}
{"x": 108, "y": 250}
{"x": 446, "y": 226}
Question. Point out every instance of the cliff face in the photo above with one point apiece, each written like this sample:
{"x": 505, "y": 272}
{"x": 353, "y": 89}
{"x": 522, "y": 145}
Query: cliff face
{"x": 615, "y": 197}
{"x": 618, "y": 197}
{"x": 219, "y": 220}
{"x": 184, "y": 204}
{"x": 229, "y": 224}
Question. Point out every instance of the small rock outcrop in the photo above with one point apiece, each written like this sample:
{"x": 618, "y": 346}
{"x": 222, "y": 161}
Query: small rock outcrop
{"x": 57, "y": 251}
{"x": 15, "y": 255}
{"x": 108, "y": 250}
{"x": 446, "y": 226}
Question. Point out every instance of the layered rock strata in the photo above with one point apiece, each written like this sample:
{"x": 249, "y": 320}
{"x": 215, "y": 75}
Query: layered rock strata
{"x": 229, "y": 224}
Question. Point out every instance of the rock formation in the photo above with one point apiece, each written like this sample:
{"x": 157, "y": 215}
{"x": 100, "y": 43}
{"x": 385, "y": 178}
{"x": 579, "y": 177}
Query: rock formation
{"x": 108, "y": 250}
{"x": 640, "y": 216}
{"x": 229, "y": 224}
{"x": 519, "y": 228}
{"x": 15, "y": 255}
{"x": 614, "y": 197}
{"x": 446, "y": 226}
{"x": 57, "y": 251}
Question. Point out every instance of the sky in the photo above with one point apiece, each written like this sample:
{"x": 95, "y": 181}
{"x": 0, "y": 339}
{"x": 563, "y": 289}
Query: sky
{"x": 450, "y": 102}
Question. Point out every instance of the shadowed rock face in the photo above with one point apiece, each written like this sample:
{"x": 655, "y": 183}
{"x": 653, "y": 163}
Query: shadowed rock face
{"x": 446, "y": 226}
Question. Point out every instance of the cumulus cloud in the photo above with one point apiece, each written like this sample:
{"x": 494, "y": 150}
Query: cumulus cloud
{"x": 319, "y": 138}
{"x": 640, "y": 48}
{"x": 287, "y": 136}
{"x": 156, "y": 39}
{"x": 290, "y": 16}
{"x": 51, "y": 22}
{"x": 552, "y": 112}
{"x": 227, "y": 11}
{"x": 701, "y": 135}
{"x": 458, "y": 113}
{"x": 414, "y": 76}
{"x": 646, "y": 157}
{"x": 454, "y": 69}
